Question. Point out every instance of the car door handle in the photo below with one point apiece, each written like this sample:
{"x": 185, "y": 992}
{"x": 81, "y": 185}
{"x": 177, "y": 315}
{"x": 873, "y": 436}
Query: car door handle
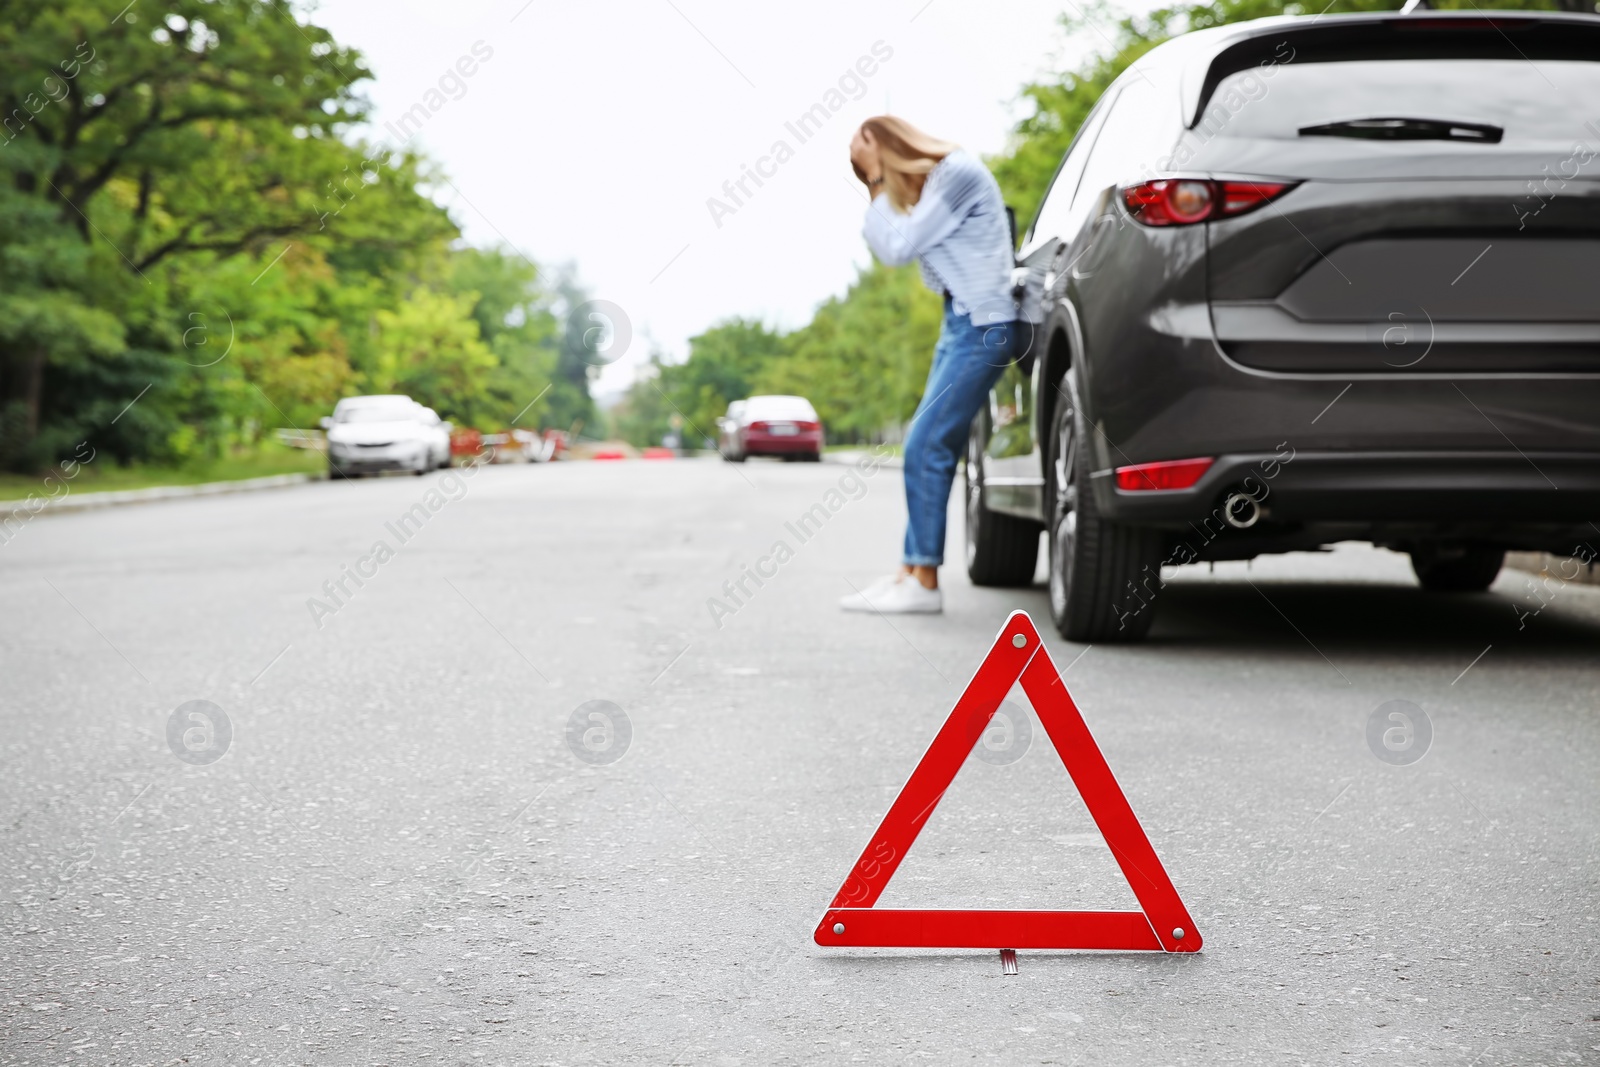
{"x": 1019, "y": 283}
{"x": 1053, "y": 272}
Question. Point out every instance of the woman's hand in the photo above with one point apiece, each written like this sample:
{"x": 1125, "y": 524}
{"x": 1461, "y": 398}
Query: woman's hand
{"x": 864, "y": 154}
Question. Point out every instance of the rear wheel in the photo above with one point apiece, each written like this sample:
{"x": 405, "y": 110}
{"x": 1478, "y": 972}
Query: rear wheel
{"x": 1456, "y": 568}
{"x": 1103, "y": 575}
{"x": 1002, "y": 550}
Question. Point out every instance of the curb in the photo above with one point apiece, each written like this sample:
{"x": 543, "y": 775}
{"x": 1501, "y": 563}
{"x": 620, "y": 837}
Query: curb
{"x": 113, "y": 498}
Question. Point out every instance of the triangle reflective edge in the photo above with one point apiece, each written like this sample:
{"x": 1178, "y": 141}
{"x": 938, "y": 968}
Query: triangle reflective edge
{"x": 1162, "y": 924}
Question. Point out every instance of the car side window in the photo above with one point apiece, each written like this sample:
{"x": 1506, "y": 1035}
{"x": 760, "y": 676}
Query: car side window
{"x": 1137, "y": 139}
{"x": 1058, "y": 200}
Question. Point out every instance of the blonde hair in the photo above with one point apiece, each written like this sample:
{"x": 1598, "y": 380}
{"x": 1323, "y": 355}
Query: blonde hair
{"x": 907, "y": 155}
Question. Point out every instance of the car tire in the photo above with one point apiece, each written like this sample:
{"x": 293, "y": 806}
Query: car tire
{"x": 1002, "y": 550}
{"x": 1456, "y": 568}
{"x": 1103, "y": 575}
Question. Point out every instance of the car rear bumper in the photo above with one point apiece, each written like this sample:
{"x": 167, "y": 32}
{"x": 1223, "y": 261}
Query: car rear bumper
{"x": 1549, "y": 498}
{"x": 782, "y": 444}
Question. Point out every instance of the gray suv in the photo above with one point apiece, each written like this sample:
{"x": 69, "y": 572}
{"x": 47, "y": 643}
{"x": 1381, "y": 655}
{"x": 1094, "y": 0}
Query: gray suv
{"x": 1300, "y": 281}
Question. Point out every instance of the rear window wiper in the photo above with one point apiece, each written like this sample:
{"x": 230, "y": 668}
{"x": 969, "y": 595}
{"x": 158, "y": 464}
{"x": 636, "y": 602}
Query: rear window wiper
{"x": 1395, "y": 129}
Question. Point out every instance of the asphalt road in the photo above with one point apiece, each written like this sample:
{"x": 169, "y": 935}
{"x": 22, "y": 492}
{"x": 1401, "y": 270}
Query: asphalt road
{"x": 400, "y": 858}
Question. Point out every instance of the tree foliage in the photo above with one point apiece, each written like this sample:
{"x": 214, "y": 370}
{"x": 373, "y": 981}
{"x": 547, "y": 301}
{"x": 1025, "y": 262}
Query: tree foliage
{"x": 863, "y": 358}
{"x": 861, "y": 361}
{"x": 189, "y": 226}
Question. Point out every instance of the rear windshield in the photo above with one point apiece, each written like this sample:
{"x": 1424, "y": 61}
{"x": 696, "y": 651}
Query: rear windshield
{"x": 1532, "y": 101}
{"x": 377, "y": 413}
{"x": 779, "y": 407}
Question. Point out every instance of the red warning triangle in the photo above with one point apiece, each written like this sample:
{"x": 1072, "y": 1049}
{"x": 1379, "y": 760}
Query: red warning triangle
{"x": 1018, "y": 655}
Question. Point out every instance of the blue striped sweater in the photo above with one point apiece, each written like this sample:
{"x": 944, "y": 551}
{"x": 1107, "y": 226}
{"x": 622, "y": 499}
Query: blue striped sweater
{"x": 958, "y": 233}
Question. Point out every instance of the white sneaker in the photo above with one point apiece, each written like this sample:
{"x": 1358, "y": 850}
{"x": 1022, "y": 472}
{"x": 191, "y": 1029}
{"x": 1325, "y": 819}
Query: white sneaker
{"x": 900, "y": 594}
{"x": 882, "y": 585}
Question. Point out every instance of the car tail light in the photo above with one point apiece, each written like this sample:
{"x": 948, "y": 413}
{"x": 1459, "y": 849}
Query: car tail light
{"x": 809, "y": 426}
{"x": 759, "y": 426}
{"x": 1183, "y": 201}
{"x": 1167, "y": 474}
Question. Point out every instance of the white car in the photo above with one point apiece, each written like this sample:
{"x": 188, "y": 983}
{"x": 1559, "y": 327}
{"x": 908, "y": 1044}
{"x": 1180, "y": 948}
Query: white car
{"x": 369, "y": 434}
{"x": 438, "y": 432}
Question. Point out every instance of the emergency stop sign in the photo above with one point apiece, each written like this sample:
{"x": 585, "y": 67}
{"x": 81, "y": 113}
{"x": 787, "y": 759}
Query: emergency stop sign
{"x": 1161, "y": 924}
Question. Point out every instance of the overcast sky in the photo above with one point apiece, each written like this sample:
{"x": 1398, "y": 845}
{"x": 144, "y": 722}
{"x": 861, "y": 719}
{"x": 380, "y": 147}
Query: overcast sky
{"x": 596, "y": 132}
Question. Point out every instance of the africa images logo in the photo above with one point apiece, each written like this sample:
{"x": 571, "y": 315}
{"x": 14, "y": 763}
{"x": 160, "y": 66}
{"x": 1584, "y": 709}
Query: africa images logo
{"x": 599, "y": 732}
{"x": 199, "y": 732}
{"x": 1399, "y": 732}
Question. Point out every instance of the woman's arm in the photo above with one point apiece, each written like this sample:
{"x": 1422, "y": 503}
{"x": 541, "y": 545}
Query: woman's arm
{"x": 895, "y": 238}
{"x": 947, "y": 200}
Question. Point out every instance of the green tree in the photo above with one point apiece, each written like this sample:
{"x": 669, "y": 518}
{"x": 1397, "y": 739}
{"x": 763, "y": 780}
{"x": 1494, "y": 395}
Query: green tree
{"x": 184, "y": 225}
{"x": 513, "y": 315}
{"x": 137, "y": 142}
{"x": 644, "y": 414}
{"x": 863, "y": 359}
{"x": 570, "y": 404}
{"x": 725, "y": 363}
{"x": 430, "y": 348}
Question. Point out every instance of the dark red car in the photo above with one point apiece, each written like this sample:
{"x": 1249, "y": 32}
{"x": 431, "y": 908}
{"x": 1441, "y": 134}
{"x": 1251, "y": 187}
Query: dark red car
{"x": 784, "y": 426}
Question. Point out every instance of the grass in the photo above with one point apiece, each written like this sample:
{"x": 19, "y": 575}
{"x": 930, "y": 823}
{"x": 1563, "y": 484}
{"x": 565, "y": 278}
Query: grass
{"x": 103, "y": 475}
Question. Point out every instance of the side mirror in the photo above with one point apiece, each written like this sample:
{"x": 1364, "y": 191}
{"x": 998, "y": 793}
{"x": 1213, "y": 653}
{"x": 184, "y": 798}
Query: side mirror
{"x": 326, "y": 422}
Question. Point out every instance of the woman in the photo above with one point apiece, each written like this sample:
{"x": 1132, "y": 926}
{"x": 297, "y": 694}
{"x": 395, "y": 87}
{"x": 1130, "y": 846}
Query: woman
{"x": 934, "y": 202}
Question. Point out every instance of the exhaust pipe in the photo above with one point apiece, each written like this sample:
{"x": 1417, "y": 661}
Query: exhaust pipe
{"x": 1241, "y": 511}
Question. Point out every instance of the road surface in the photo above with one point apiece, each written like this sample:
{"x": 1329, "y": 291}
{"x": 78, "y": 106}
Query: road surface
{"x": 395, "y": 835}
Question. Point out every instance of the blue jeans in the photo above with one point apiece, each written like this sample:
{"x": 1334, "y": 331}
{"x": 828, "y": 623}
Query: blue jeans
{"x": 967, "y": 361}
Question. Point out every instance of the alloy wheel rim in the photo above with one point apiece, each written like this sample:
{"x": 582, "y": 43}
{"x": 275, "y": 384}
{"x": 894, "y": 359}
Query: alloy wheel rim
{"x": 974, "y": 500}
{"x": 1064, "y": 518}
